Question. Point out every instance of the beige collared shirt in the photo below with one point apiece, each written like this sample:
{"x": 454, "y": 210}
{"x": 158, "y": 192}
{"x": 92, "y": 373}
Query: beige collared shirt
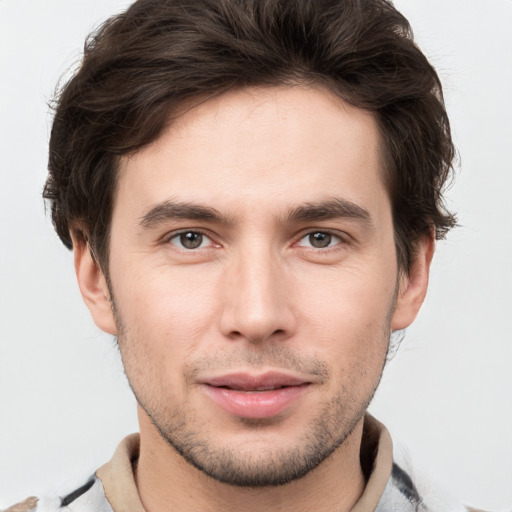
{"x": 389, "y": 488}
{"x": 376, "y": 455}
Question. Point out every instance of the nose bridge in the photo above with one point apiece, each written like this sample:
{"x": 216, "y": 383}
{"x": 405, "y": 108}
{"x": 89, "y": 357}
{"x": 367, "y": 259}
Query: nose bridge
{"x": 256, "y": 305}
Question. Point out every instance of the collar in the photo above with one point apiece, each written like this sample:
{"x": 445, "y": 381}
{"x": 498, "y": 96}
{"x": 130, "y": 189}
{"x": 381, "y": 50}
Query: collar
{"x": 118, "y": 479}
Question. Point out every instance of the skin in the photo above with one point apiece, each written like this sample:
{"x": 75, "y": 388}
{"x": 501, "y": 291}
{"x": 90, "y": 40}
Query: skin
{"x": 259, "y": 294}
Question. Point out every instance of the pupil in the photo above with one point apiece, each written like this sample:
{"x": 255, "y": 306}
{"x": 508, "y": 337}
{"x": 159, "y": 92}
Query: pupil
{"x": 320, "y": 240}
{"x": 191, "y": 240}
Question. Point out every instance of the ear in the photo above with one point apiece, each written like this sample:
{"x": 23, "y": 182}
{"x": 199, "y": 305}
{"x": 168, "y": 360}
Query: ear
{"x": 413, "y": 286}
{"x": 93, "y": 285}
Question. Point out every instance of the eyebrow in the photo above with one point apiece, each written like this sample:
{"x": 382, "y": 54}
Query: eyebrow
{"x": 329, "y": 209}
{"x": 314, "y": 211}
{"x": 169, "y": 210}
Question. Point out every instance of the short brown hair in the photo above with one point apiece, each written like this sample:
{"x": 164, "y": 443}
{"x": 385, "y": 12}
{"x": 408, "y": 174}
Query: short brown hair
{"x": 139, "y": 66}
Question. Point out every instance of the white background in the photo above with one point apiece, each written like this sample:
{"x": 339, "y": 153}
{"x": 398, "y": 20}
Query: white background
{"x": 64, "y": 402}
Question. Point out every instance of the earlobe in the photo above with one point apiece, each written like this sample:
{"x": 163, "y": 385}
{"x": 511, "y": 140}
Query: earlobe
{"x": 413, "y": 287}
{"x": 93, "y": 285}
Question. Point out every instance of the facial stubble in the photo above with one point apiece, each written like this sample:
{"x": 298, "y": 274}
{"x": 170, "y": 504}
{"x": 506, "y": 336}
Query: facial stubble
{"x": 237, "y": 465}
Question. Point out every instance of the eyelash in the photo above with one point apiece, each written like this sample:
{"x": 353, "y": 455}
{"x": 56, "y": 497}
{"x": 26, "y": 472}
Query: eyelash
{"x": 176, "y": 236}
{"x": 331, "y": 236}
{"x": 341, "y": 240}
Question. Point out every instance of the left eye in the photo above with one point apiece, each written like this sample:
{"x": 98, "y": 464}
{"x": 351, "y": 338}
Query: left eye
{"x": 319, "y": 240}
{"x": 190, "y": 240}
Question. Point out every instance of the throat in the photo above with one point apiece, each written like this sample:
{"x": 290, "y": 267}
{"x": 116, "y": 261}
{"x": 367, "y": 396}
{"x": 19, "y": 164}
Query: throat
{"x": 166, "y": 481}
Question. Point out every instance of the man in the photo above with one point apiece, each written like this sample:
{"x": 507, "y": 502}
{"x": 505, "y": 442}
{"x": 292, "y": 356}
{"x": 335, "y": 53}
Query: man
{"x": 252, "y": 191}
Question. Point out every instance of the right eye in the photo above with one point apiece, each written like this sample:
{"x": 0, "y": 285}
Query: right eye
{"x": 190, "y": 240}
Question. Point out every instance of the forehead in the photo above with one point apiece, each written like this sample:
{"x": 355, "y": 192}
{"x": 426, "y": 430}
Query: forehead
{"x": 265, "y": 147}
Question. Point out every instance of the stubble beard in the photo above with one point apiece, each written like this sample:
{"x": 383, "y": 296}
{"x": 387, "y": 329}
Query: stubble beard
{"x": 236, "y": 465}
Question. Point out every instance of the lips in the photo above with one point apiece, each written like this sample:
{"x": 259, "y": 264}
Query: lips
{"x": 255, "y": 396}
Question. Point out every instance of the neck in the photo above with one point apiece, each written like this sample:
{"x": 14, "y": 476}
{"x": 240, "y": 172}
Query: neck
{"x": 166, "y": 482}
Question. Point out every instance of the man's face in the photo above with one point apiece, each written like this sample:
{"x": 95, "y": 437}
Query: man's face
{"x": 254, "y": 280}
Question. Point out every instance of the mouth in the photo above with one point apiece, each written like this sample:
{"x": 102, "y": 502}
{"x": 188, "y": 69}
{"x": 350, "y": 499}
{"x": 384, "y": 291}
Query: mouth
{"x": 255, "y": 396}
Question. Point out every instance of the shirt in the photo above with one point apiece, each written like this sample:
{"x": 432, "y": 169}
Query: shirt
{"x": 389, "y": 485}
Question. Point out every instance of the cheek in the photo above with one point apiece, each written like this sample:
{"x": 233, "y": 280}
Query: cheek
{"x": 170, "y": 309}
{"x": 350, "y": 300}
{"x": 356, "y": 350}
{"x": 349, "y": 320}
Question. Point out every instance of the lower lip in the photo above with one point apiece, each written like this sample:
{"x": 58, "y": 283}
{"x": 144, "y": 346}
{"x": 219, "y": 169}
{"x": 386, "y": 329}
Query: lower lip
{"x": 255, "y": 404}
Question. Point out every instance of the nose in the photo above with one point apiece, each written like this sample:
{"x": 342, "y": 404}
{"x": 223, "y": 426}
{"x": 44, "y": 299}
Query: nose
{"x": 257, "y": 303}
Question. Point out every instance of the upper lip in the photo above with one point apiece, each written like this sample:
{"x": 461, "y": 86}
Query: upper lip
{"x": 250, "y": 382}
